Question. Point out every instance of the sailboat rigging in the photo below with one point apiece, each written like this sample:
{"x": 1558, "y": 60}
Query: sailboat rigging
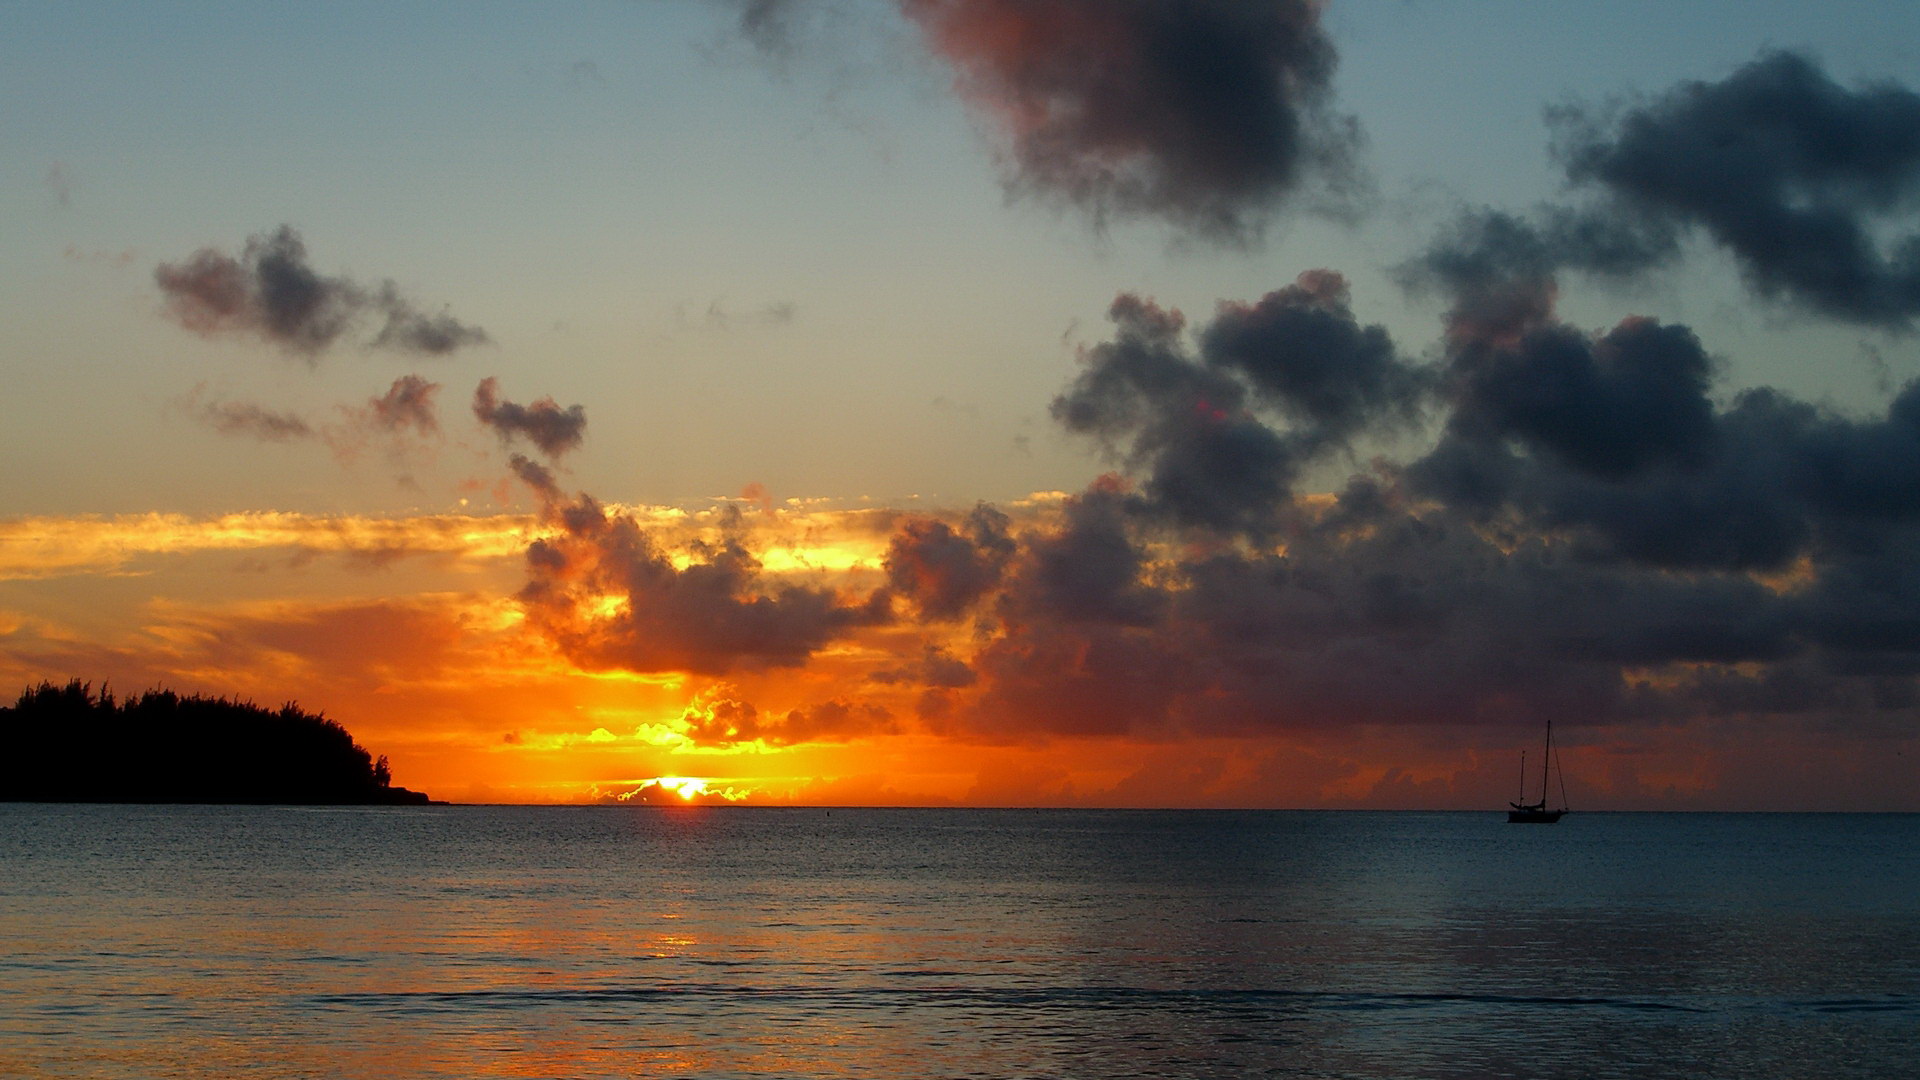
{"x": 1536, "y": 813}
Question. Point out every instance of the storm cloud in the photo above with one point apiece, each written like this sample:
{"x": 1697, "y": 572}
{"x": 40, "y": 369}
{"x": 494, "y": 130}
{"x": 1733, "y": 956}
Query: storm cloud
{"x": 1207, "y": 115}
{"x": 270, "y": 291}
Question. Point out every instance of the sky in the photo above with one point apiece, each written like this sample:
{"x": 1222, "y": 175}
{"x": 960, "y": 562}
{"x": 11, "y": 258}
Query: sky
{"x": 928, "y": 402}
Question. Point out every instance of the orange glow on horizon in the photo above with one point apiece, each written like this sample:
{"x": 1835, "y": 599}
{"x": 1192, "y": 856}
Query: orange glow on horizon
{"x": 432, "y": 662}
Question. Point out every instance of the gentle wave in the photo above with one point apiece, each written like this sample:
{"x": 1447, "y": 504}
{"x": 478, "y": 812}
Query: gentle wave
{"x": 1071, "y": 997}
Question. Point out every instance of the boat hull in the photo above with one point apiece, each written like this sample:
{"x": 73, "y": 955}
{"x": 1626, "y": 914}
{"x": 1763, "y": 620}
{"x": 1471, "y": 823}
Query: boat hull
{"x": 1531, "y": 816}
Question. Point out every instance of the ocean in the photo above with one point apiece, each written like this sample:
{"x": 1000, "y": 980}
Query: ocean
{"x": 197, "y": 941}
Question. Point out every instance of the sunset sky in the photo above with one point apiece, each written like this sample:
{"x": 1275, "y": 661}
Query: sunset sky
{"x": 1065, "y": 402}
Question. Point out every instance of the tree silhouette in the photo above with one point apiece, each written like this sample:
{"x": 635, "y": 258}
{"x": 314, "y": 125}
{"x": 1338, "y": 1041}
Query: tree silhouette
{"x": 70, "y": 745}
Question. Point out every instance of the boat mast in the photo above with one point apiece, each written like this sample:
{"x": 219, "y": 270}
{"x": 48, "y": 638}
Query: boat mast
{"x": 1523, "y": 779}
{"x": 1546, "y": 759}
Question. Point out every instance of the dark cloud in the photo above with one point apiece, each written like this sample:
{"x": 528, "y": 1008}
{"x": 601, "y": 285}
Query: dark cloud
{"x": 537, "y": 477}
{"x": 1791, "y": 172}
{"x": 943, "y": 570}
{"x": 1084, "y": 679}
{"x": 1091, "y": 569}
{"x": 1204, "y": 114}
{"x": 1191, "y": 424}
{"x": 1304, "y": 354}
{"x": 1782, "y": 480}
{"x": 1402, "y": 612}
{"x": 544, "y": 423}
{"x": 1613, "y": 439}
{"x": 1499, "y": 271}
{"x": 1185, "y": 427}
{"x": 1606, "y": 405}
{"x": 271, "y": 291}
{"x": 1594, "y": 538}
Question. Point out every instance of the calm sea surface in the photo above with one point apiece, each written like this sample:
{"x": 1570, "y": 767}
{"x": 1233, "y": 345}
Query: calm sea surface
{"x": 598, "y": 942}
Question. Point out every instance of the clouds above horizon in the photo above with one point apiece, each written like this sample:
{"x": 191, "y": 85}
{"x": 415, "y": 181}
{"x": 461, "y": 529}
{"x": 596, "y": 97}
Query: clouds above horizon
{"x": 1595, "y": 532}
{"x": 1292, "y": 527}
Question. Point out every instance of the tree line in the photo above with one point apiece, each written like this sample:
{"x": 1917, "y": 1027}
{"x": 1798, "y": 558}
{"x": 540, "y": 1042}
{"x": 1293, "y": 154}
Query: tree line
{"x": 69, "y": 744}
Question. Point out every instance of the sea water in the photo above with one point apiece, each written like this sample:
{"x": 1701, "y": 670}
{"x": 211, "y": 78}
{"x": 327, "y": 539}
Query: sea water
{"x": 140, "y": 941}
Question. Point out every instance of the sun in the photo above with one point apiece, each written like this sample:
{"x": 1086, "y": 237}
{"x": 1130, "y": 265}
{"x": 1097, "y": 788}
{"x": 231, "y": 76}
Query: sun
{"x": 687, "y": 787}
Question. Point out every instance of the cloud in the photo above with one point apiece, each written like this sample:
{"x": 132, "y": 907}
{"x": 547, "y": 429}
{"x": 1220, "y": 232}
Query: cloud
{"x": 398, "y": 422}
{"x": 1304, "y": 353}
{"x": 719, "y": 317}
{"x": 270, "y": 291}
{"x": 1090, "y": 569}
{"x": 718, "y": 718}
{"x": 544, "y": 423}
{"x": 1205, "y": 459}
{"x": 1206, "y": 115}
{"x": 38, "y": 547}
{"x": 767, "y": 25}
{"x": 255, "y": 421}
{"x": 408, "y": 403}
{"x": 1612, "y": 438}
{"x": 537, "y": 477}
{"x": 408, "y": 329}
{"x": 1500, "y": 270}
{"x": 1789, "y": 171}
{"x": 1220, "y": 435}
{"x": 1594, "y": 537}
{"x": 935, "y": 668}
{"x": 1607, "y": 405}
{"x": 944, "y": 571}
{"x": 1777, "y": 480}
{"x": 60, "y": 184}
{"x": 610, "y": 598}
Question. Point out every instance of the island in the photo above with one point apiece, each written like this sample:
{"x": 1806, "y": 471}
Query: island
{"x": 69, "y": 744}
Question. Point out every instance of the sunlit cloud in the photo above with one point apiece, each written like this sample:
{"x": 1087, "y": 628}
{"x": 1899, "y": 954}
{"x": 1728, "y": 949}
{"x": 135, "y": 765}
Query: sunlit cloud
{"x": 38, "y": 547}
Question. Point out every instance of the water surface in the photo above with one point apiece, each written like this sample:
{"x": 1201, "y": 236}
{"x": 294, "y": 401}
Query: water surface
{"x": 723, "y": 942}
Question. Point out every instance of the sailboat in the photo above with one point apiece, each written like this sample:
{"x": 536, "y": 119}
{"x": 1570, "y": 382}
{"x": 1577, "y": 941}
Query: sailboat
{"x": 1536, "y": 813}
